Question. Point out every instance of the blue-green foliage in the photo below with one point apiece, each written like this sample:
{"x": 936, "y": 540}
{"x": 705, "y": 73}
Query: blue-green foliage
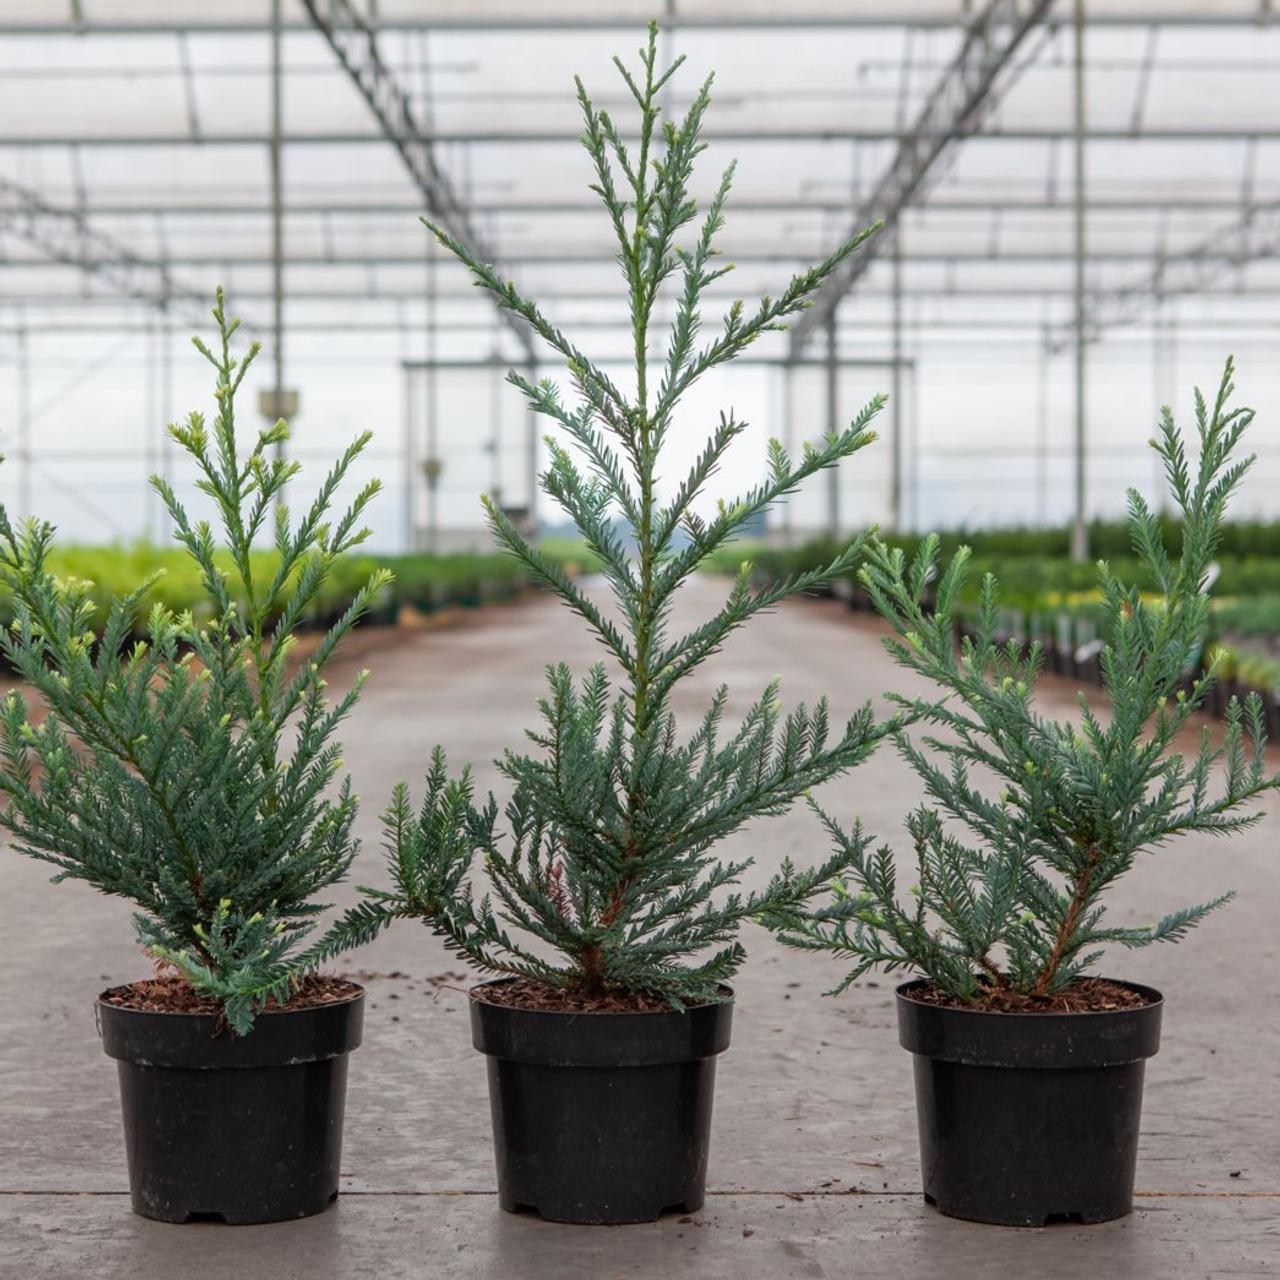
{"x": 189, "y": 770}
{"x": 605, "y": 876}
{"x": 1010, "y": 887}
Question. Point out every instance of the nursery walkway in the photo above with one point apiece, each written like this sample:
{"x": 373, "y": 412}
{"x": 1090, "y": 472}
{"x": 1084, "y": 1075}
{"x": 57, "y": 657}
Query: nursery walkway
{"x": 813, "y": 1162}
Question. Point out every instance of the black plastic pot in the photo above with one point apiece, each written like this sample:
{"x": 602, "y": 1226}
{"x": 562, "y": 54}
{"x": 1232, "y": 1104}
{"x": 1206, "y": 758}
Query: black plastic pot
{"x": 240, "y": 1130}
{"x": 1029, "y": 1118}
{"x": 601, "y": 1117}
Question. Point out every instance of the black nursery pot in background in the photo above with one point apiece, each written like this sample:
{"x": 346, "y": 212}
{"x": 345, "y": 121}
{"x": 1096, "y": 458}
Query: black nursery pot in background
{"x": 1029, "y": 1118}
{"x": 239, "y": 1130}
{"x": 601, "y": 1117}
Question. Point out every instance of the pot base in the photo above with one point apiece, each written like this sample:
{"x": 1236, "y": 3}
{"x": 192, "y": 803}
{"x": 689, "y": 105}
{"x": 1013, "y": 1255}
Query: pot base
{"x": 261, "y": 1144}
{"x": 594, "y": 1145}
{"x": 1028, "y": 1148}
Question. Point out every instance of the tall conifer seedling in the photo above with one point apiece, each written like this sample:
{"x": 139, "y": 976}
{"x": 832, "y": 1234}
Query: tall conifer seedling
{"x": 605, "y": 879}
{"x": 1013, "y": 863}
{"x": 189, "y": 770}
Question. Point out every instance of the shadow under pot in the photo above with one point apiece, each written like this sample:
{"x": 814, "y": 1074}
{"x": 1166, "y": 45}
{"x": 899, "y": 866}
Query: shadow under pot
{"x": 601, "y": 1117}
{"x": 1029, "y": 1118}
{"x": 233, "y": 1129}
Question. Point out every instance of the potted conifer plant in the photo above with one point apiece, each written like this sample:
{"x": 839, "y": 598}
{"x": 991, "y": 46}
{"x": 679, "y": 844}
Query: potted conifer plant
{"x": 1028, "y": 1066}
{"x": 189, "y": 771}
{"x": 612, "y": 927}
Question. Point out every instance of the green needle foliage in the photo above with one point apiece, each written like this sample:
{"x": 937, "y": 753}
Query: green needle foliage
{"x": 1020, "y": 905}
{"x": 605, "y": 877}
{"x": 189, "y": 771}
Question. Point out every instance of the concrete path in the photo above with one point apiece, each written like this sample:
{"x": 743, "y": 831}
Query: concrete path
{"x": 814, "y": 1167}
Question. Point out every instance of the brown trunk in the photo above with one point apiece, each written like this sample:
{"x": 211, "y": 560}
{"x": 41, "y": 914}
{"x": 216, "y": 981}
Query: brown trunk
{"x": 592, "y": 962}
{"x": 1080, "y": 892}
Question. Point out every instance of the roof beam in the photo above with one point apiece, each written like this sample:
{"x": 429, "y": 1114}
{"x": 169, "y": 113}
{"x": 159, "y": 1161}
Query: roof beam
{"x": 355, "y": 44}
{"x": 410, "y": 290}
{"x": 1195, "y": 270}
{"x": 888, "y": 13}
{"x": 1261, "y": 330}
{"x": 604, "y": 256}
{"x": 68, "y": 237}
{"x": 145, "y": 206}
{"x": 566, "y": 137}
{"x": 952, "y": 111}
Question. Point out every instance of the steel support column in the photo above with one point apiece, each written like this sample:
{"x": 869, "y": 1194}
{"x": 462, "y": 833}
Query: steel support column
{"x": 433, "y": 464}
{"x": 531, "y": 456}
{"x": 495, "y": 433}
{"x": 1079, "y": 526}
{"x": 915, "y": 523}
{"x": 166, "y": 391}
{"x": 833, "y": 426}
{"x": 788, "y": 435}
{"x": 24, "y": 422}
{"x": 277, "y": 218}
{"x": 408, "y": 461}
{"x": 895, "y": 402}
{"x": 150, "y": 415}
{"x": 1042, "y": 428}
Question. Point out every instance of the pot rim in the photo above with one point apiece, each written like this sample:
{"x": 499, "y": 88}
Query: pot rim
{"x": 100, "y": 1003}
{"x": 202, "y": 1041}
{"x": 1155, "y": 1001}
{"x": 688, "y": 1011}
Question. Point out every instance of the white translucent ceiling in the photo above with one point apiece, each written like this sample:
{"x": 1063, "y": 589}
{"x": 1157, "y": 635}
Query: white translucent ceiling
{"x": 152, "y": 120}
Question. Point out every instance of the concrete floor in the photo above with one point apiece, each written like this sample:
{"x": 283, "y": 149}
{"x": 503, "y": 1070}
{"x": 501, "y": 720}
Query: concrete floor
{"x": 814, "y": 1168}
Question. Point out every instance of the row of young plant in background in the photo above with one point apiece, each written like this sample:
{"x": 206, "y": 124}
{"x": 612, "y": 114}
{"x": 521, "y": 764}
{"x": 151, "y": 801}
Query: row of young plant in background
{"x": 1027, "y": 579}
{"x": 1108, "y": 540}
{"x": 1247, "y": 605}
{"x": 1057, "y": 603}
{"x": 420, "y": 581}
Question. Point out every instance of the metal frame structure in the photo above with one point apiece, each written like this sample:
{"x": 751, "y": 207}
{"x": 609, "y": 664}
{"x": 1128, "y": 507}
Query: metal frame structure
{"x": 830, "y": 363}
{"x": 68, "y": 236}
{"x": 1196, "y": 270}
{"x": 1060, "y": 262}
{"x": 953, "y": 110}
{"x": 355, "y": 43}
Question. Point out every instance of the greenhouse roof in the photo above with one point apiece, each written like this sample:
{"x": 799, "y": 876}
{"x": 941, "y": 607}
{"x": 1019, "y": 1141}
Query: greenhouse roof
{"x": 165, "y": 185}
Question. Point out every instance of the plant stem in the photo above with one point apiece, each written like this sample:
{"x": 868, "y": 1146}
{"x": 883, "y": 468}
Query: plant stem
{"x": 1079, "y": 896}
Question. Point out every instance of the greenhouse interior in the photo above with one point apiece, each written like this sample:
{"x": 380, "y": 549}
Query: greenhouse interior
{"x": 506, "y": 506}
